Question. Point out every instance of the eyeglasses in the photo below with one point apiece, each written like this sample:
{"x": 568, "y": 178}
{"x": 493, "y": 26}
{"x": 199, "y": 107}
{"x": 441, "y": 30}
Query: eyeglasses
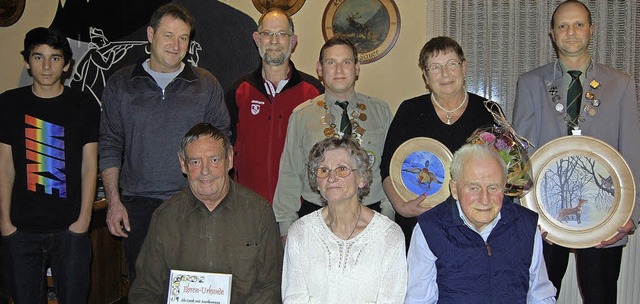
{"x": 279, "y": 35}
{"x": 451, "y": 65}
{"x": 340, "y": 171}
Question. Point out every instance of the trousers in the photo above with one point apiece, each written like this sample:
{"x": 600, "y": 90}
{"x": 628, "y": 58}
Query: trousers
{"x": 140, "y": 209}
{"x": 597, "y": 269}
{"x": 27, "y": 256}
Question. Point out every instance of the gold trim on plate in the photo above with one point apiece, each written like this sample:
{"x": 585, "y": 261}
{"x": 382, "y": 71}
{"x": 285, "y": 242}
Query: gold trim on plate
{"x": 428, "y": 146}
{"x": 583, "y": 191}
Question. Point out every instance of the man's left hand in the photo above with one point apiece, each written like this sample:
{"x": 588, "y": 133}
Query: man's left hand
{"x": 622, "y": 232}
{"x": 544, "y": 235}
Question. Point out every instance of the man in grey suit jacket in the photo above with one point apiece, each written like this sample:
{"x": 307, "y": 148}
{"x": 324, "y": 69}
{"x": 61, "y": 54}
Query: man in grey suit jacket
{"x": 607, "y": 110}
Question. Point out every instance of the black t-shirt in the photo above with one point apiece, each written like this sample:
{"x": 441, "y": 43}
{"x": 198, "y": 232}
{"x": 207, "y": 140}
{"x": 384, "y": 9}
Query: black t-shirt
{"x": 416, "y": 117}
{"x": 47, "y": 136}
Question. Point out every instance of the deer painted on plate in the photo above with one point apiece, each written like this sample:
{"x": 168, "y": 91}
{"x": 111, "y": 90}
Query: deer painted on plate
{"x": 577, "y": 211}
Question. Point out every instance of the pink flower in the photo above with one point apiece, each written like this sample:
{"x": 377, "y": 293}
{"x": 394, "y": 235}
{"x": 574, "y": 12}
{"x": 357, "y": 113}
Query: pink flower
{"x": 487, "y": 137}
{"x": 514, "y": 154}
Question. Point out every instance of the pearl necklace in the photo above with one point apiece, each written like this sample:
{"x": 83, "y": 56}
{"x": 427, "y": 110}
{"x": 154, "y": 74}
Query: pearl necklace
{"x": 447, "y": 111}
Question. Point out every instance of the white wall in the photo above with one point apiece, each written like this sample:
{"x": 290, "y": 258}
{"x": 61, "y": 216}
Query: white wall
{"x": 36, "y": 13}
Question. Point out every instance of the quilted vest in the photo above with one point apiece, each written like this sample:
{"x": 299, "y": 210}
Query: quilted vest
{"x": 472, "y": 271}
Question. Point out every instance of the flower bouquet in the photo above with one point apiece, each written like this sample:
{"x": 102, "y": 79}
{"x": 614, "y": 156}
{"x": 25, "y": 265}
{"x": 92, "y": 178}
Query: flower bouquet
{"x": 513, "y": 150}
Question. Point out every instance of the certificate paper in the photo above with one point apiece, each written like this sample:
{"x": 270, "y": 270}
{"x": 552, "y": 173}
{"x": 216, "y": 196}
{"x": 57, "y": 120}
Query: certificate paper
{"x": 199, "y": 287}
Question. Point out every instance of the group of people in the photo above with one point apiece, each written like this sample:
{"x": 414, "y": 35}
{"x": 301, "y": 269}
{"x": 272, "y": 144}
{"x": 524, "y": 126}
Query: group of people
{"x": 287, "y": 179}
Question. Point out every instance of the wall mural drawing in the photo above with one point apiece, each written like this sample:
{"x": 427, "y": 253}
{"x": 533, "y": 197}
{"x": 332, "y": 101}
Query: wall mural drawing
{"x": 107, "y": 35}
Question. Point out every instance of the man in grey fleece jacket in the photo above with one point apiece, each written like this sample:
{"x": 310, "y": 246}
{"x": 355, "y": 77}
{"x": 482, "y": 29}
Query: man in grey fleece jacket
{"x": 147, "y": 108}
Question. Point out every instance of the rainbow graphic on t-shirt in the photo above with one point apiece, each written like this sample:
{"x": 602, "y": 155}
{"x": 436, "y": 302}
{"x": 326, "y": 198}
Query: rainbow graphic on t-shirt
{"x": 45, "y": 149}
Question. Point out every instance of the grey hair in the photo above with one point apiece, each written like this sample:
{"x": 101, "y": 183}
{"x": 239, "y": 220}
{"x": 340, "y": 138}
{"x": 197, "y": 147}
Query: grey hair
{"x": 357, "y": 153}
{"x": 205, "y": 130}
{"x": 478, "y": 151}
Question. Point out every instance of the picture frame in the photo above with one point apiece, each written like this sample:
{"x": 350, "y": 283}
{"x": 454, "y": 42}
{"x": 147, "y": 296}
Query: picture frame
{"x": 372, "y": 25}
{"x": 583, "y": 191}
{"x": 421, "y": 165}
{"x": 288, "y": 6}
{"x": 11, "y": 11}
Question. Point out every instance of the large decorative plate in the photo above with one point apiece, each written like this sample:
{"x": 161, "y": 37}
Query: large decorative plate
{"x": 421, "y": 165}
{"x": 11, "y": 11}
{"x": 288, "y": 6}
{"x": 583, "y": 191}
{"x": 372, "y": 25}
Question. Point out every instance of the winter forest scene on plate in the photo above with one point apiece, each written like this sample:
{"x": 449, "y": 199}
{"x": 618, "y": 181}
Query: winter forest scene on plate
{"x": 577, "y": 191}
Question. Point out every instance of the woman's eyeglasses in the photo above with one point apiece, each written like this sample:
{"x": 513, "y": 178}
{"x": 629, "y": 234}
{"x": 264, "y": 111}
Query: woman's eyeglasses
{"x": 451, "y": 65}
{"x": 340, "y": 171}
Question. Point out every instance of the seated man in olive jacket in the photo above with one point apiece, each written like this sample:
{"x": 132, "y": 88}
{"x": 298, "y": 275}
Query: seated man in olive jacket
{"x": 214, "y": 226}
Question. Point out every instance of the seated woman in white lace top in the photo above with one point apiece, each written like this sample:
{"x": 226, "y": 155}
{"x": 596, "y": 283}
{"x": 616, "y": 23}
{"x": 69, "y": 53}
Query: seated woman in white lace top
{"x": 344, "y": 252}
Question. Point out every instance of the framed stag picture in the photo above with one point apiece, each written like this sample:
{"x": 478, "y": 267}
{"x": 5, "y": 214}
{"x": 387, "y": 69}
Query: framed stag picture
{"x": 372, "y": 25}
{"x": 421, "y": 166}
{"x": 583, "y": 190}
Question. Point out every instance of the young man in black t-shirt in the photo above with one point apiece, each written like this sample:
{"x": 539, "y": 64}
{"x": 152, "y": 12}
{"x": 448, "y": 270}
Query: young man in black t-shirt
{"x": 48, "y": 172}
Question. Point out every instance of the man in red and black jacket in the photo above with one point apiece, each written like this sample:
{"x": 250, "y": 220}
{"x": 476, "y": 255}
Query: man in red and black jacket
{"x": 261, "y": 102}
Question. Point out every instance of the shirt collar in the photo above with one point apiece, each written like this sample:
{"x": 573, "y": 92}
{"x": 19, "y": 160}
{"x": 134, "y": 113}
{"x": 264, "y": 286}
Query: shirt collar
{"x": 583, "y": 69}
{"x": 486, "y": 231}
{"x": 194, "y": 203}
{"x": 276, "y": 89}
{"x": 331, "y": 100}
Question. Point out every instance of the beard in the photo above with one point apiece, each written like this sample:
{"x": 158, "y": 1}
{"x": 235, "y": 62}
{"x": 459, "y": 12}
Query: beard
{"x": 274, "y": 59}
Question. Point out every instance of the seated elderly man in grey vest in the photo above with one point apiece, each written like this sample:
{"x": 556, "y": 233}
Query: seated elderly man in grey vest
{"x": 477, "y": 246}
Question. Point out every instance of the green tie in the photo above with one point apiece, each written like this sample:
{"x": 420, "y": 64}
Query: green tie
{"x": 345, "y": 123}
{"x": 574, "y": 97}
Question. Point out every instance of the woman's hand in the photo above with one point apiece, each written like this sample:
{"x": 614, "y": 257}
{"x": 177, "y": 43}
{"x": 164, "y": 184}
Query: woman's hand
{"x": 413, "y": 207}
{"x": 410, "y": 208}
